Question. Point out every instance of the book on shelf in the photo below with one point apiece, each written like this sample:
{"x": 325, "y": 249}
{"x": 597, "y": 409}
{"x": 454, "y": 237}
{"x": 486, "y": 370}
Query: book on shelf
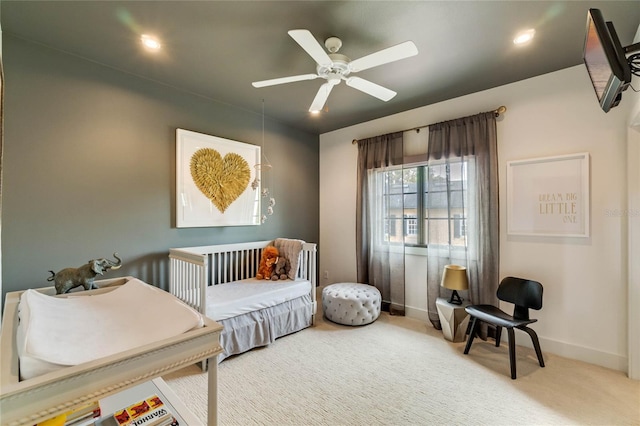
{"x": 151, "y": 411}
{"x": 83, "y": 415}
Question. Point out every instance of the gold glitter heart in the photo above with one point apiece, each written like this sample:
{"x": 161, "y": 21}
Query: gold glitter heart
{"x": 221, "y": 180}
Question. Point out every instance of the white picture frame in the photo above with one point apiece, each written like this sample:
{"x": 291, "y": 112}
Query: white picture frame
{"x": 196, "y": 209}
{"x": 549, "y": 196}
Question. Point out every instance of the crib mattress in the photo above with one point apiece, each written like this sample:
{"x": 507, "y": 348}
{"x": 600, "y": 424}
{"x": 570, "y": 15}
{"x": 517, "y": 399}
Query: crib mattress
{"x": 57, "y": 332}
{"x": 237, "y": 298}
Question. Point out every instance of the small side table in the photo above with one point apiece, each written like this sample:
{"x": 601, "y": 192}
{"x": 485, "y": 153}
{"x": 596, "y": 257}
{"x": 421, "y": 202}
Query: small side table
{"x": 453, "y": 318}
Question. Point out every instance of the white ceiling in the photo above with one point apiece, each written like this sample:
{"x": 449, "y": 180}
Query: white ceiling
{"x": 217, "y": 48}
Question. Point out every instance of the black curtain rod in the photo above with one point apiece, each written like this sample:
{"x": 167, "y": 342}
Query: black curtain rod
{"x": 500, "y": 110}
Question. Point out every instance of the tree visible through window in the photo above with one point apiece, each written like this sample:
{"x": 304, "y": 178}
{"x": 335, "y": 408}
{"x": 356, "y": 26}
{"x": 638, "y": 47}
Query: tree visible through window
{"x": 424, "y": 203}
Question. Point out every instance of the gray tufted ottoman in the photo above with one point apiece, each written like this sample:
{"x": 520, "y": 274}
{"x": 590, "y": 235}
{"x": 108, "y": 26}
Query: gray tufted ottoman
{"x": 351, "y": 303}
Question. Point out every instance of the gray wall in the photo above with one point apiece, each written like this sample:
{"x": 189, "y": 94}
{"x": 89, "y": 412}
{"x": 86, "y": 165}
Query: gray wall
{"x": 89, "y": 168}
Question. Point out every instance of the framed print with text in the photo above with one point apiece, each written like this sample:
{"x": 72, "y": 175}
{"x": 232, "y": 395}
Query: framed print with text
{"x": 549, "y": 196}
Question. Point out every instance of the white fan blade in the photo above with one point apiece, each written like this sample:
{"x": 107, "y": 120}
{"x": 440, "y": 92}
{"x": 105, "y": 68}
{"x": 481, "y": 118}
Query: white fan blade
{"x": 308, "y": 42}
{"x": 321, "y": 97}
{"x": 370, "y": 88}
{"x": 384, "y": 56}
{"x": 283, "y": 80}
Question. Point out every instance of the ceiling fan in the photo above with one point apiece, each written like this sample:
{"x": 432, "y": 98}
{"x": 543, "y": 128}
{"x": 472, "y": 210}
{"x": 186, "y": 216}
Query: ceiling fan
{"x": 335, "y": 67}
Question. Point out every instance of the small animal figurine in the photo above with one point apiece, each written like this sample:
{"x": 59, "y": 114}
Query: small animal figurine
{"x": 70, "y": 278}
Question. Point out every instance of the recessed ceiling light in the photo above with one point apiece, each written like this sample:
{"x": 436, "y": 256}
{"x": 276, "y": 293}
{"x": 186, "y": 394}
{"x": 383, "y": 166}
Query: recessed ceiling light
{"x": 314, "y": 112}
{"x": 150, "y": 42}
{"x": 524, "y": 37}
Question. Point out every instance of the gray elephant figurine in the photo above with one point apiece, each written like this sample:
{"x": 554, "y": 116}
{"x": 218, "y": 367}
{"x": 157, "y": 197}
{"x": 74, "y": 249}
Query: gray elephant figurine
{"x": 70, "y": 278}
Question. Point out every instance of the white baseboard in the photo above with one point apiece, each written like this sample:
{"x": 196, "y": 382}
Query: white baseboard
{"x": 416, "y": 313}
{"x": 580, "y": 353}
{"x": 564, "y": 349}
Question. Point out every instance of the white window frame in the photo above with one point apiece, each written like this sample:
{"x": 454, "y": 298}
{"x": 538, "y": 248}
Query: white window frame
{"x": 416, "y": 249}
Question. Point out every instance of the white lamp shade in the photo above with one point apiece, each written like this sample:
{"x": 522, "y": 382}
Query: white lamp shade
{"x": 454, "y": 277}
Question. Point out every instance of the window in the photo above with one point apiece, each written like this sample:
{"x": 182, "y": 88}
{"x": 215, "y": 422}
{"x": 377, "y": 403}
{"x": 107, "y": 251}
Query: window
{"x": 424, "y": 205}
{"x": 459, "y": 226}
{"x": 411, "y": 224}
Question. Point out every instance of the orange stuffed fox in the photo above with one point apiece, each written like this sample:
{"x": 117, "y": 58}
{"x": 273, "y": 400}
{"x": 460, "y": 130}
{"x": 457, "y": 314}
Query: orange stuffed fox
{"x": 267, "y": 262}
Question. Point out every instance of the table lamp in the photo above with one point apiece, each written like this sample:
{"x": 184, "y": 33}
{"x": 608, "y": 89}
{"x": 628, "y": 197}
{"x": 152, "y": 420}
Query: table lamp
{"x": 454, "y": 278}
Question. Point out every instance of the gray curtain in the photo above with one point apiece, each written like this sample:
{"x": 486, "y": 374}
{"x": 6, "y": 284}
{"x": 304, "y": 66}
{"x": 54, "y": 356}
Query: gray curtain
{"x": 1, "y": 162}
{"x": 473, "y": 140}
{"x": 379, "y": 263}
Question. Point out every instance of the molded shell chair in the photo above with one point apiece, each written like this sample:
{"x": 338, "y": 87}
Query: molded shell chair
{"x": 525, "y": 295}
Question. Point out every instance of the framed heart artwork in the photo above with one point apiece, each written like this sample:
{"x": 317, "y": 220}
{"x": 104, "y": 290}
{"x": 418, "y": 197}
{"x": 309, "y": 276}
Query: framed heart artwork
{"x": 217, "y": 183}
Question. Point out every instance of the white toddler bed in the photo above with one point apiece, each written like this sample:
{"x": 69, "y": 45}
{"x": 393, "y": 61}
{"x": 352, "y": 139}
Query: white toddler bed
{"x": 219, "y": 281}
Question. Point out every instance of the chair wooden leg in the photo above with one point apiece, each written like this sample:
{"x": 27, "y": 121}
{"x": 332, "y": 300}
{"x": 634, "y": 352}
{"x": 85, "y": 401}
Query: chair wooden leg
{"x": 498, "y": 335}
{"x": 512, "y": 351}
{"x": 472, "y": 334}
{"x": 536, "y": 344}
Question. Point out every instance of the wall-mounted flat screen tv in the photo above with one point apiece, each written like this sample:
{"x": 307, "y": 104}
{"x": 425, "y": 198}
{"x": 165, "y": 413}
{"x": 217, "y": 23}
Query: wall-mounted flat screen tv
{"x": 605, "y": 60}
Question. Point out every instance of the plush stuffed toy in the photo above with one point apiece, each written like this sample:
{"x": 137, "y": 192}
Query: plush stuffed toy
{"x": 267, "y": 262}
{"x": 281, "y": 270}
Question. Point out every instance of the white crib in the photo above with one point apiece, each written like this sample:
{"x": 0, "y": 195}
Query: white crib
{"x": 196, "y": 273}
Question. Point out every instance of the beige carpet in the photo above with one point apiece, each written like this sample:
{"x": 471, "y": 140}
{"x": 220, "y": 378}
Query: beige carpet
{"x": 399, "y": 371}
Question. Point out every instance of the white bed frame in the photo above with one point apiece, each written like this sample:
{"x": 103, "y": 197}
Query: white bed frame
{"x": 195, "y": 268}
{"x": 34, "y": 400}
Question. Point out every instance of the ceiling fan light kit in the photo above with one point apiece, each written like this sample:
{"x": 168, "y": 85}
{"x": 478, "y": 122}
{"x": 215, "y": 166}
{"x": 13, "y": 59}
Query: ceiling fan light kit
{"x": 335, "y": 67}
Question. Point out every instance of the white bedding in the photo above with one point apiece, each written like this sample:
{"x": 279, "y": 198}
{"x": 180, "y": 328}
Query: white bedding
{"x": 241, "y": 297}
{"x": 56, "y": 332}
